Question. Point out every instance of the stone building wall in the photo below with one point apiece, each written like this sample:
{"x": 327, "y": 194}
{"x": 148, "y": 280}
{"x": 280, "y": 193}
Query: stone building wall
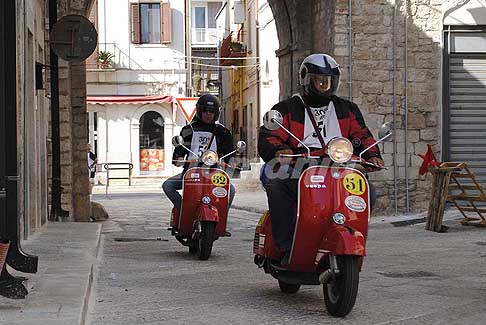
{"x": 73, "y": 126}
{"x": 374, "y": 47}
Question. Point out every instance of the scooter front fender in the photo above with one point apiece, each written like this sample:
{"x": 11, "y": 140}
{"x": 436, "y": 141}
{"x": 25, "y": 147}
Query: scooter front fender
{"x": 207, "y": 213}
{"x": 342, "y": 240}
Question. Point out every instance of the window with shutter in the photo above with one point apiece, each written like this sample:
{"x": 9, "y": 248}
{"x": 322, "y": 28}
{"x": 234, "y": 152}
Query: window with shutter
{"x": 166, "y": 23}
{"x": 135, "y": 22}
{"x": 151, "y": 23}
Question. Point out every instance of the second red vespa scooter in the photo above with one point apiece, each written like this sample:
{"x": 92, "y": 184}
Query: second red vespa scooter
{"x": 331, "y": 226}
{"x": 205, "y": 200}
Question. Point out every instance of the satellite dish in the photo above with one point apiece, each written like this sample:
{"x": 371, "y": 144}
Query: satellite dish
{"x": 73, "y": 38}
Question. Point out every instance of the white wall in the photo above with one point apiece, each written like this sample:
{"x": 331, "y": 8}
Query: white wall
{"x": 269, "y": 85}
{"x": 118, "y": 132}
{"x": 114, "y": 27}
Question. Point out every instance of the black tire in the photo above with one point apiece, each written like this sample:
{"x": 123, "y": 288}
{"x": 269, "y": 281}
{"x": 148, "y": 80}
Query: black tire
{"x": 206, "y": 239}
{"x": 340, "y": 294}
{"x": 193, "y": 247}
{"x": 288, "y": 287}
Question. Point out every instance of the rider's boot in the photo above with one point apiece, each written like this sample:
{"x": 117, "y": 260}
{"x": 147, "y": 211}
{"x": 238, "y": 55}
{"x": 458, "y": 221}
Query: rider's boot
{"x": 174, "y": 221}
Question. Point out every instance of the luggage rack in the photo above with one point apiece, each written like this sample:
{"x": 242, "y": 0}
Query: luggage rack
{"x": 449, "y": 179}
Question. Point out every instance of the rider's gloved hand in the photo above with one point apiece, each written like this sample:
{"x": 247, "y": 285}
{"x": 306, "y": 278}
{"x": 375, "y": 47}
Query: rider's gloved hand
{"x": 178, "y": 162}
{"x": 284, "y": 160}
{"x": 375, "y": 160}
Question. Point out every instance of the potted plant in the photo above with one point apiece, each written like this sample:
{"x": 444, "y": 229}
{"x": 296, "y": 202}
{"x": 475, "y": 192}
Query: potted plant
{"x": 105, "y": 59}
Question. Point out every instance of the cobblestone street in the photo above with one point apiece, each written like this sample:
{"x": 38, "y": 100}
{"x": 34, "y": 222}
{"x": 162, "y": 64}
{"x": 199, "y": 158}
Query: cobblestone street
{"x": 410, "y": 276}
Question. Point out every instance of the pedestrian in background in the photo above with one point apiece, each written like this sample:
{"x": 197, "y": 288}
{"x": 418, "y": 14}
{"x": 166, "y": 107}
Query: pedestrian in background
{"x": 92, "y": 161}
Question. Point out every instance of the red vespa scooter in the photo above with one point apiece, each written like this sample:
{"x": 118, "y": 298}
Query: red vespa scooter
{"x": 331, "y": 227}
{"x": 205, "y": 200}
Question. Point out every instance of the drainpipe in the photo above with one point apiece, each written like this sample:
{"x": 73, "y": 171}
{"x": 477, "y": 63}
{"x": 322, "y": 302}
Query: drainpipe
{"x": 26, "y": 137}
{"x": 406, "y": 109}
{"x": 57, "y": 213}
{"x": 350, "y": 49}
{"x": 259, "y": 78}
{"x": 395, "y": 172}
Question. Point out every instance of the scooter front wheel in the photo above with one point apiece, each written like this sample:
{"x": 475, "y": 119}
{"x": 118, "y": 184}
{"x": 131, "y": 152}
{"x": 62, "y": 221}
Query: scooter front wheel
{"x": 206, "y": 239}
{"x": 340, "y": 293}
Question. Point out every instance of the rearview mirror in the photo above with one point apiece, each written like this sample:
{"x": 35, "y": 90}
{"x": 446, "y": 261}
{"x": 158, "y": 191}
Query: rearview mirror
{"x": 272, "y": 120}
{"x": 385, "y": 131}
{"x": 177, "y": 141}
{"x": 240, "y": 146}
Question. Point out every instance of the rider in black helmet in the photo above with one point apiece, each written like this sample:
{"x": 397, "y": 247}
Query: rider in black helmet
{"x": 203, "y": 133}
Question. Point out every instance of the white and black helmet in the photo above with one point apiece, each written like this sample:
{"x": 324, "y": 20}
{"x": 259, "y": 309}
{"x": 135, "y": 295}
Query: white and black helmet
{"x": 319, "y": 75}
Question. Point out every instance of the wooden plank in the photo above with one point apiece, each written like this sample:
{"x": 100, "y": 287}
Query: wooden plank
{"x": 466, "y": 198}
{"x": 472, "y": 209}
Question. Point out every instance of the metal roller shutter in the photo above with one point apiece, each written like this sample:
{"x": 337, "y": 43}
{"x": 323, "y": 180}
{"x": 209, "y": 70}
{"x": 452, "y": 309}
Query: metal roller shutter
{"x": 466, "y": 139}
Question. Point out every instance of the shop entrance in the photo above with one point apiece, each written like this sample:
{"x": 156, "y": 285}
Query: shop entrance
{"x": 151, "y": 143}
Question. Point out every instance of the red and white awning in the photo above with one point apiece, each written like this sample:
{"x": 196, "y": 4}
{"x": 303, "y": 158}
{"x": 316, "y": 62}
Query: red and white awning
{"x": 129, "y": 99}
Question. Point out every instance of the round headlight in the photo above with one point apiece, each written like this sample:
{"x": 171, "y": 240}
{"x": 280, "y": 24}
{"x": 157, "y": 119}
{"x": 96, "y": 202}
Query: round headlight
{"x": 339, "y": 218}
{"x": 340, "y": 150}
{"x": 209, "y": 158}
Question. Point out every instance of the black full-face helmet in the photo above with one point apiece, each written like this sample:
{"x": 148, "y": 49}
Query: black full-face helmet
{"x": 208, "y": 102}
{"x": 319, "y": 75}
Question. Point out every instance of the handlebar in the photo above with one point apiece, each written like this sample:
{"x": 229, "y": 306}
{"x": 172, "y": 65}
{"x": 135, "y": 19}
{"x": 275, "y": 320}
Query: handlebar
{"x": 357, "y": 161}
{"x": 196, "y": 161}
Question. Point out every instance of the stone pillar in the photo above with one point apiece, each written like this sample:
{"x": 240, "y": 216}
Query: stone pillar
{"x": 80, "y": 177}
{"x": 135, "y": 146}
{"x": 168, "y": 148}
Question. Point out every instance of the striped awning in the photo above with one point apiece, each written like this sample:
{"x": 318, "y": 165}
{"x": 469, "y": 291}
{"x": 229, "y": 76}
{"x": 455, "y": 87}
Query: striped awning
{"x": 129, "y": 99}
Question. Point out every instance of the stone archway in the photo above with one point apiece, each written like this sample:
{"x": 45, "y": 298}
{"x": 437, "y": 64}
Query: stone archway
{"x": 300, "y": 26}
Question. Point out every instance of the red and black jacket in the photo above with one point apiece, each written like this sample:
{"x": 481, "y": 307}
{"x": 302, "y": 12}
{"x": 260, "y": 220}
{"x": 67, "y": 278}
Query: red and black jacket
{"x": 350, "y": 121}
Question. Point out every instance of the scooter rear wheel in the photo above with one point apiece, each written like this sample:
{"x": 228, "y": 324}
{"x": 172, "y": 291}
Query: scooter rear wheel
{"x": 288, "y": 287}
{"x": 340, "y": 293}
{"x": 206, "y": 239}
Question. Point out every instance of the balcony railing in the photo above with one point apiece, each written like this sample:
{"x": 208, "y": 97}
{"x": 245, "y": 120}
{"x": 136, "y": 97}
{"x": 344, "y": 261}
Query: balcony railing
{"x": 120, "y": 59}
{"x": 232, "y": 51}
{"x": 205, "y": 36}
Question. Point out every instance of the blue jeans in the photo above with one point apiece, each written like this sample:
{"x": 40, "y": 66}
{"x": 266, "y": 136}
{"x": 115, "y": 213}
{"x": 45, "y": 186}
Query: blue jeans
{"x": 174, "y": 183}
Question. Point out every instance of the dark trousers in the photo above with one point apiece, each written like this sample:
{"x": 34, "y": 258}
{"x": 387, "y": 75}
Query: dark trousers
{"x": 282, "y": 202}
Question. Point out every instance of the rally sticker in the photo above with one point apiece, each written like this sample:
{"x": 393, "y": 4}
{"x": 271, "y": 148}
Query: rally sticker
{"x": 219, "y": 179}
{"x": 195, "y": 175}
{"x": 220, "y": 192}
{"x": 354, "y": 184}
{"x": 262, "y": 218}
{"x": 317, "y": 179}
{"x": 355, "y": 203}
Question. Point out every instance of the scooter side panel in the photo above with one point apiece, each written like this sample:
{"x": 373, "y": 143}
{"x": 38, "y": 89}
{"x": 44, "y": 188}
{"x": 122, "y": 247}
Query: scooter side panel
{"x": 263, "y": 242}
{"x": 324, "y": 191}
{"x": 197, "y": 183}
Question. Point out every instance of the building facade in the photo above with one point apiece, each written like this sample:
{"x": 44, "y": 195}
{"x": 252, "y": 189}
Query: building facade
{"x": 131, "y": 96}
{"x": 249, "y": 69}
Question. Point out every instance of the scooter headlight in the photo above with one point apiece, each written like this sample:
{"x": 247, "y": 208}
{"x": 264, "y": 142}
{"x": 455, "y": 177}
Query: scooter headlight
{"x": 209, "y": 157}
{"x": 340, "y": 150}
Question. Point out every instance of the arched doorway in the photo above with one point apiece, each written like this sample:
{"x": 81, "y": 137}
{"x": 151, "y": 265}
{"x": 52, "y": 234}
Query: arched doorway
{"x": 151, "y": 143}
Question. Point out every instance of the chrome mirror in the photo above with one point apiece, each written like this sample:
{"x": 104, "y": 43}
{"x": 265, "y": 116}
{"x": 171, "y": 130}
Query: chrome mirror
{"x": 272, "y": 120}
{"x": 177, "y": 141}
{"x": 240, "y": 146}
{"x": 385, "y": 131}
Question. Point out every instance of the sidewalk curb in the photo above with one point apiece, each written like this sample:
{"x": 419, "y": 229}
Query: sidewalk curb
{"x": 88, "y": 291}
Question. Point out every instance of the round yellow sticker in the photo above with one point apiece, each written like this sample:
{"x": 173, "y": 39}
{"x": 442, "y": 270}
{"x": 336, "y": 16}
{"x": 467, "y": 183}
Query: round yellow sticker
{"x": 354, "y": 184}
{"x": 219, "y": 179}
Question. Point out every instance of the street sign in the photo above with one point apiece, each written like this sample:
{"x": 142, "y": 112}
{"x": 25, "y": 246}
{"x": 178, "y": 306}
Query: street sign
{"x": 188, "y": 107}
{"x": 73, "y": 38}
